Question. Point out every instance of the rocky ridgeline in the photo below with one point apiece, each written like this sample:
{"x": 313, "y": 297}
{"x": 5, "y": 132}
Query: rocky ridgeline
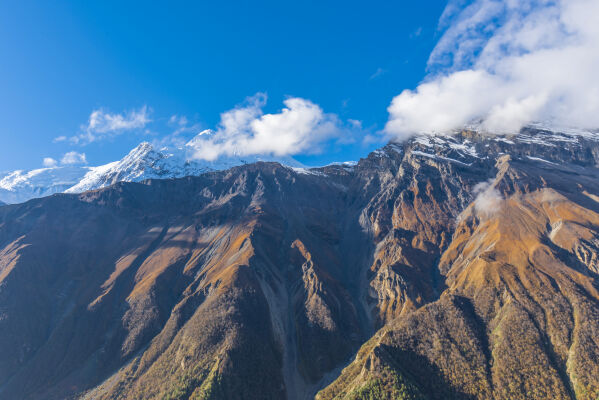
{"x": 449, "y": 266}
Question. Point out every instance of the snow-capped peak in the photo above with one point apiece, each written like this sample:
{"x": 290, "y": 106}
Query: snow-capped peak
{"x": 197, "y": 139}
{"x": 18, "y": 186}
{"x": 141, "y": 163}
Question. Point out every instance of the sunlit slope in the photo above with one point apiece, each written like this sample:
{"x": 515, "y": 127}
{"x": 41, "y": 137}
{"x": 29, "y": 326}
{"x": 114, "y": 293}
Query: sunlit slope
{"x": 518, "y": 317}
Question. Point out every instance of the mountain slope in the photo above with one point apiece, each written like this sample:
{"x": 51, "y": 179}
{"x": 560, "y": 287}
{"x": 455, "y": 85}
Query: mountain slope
{"x": 212, "y": 271}
{"x": 518, "y": 318}
{"x": 445, "y": 267}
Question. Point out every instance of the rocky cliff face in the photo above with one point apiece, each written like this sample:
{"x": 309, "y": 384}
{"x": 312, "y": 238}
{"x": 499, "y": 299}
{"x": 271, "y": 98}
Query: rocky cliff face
{"x": 457, "y": 266}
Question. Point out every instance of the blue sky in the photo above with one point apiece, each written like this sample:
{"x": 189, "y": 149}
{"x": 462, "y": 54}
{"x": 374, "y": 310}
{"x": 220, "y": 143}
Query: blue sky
{"x": 322, "y": 81}
{"x": 62, "y": 60}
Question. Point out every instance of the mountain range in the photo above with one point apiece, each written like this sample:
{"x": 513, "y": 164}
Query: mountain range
{"x": 449, "y": 266}
{"x": 143, "y": 162}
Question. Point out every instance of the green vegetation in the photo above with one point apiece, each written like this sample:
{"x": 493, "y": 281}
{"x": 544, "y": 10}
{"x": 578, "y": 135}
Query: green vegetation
{"x": 391, "y": 386}
{"x": 182, "y": 388}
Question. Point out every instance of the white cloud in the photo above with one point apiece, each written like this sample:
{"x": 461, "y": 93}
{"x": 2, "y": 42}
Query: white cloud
{"x": 49, "y": 162}
{"x": 355, "y": 123}
{"x": 488, "y": 199}
{"x": 181, "y": 126}
{"x": 180, "y": 120}
{"x": 72, "y": 158}
{"x": 378, "y": 73}
{"x": 60, "y": 139}
{"x": 507, "y": 63}
{"x": 416, "y": 33}
{"x": 300, "y": 127}
{"x": 102, "y": 124}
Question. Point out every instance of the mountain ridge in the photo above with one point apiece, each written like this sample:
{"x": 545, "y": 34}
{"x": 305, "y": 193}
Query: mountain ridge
{"x": 459, "y": 266}
{"x": 147, "y": 162}
{"x": 142, "y": 162}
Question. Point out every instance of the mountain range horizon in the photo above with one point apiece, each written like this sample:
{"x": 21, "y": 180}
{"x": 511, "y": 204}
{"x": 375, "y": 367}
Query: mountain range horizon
{"x": 146, "y": 161}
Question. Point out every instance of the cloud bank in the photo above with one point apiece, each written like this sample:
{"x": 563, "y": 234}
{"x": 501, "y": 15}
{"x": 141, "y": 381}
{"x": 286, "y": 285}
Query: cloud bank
{"x": 505, "y": 64}
{"x": 300, "y": 127}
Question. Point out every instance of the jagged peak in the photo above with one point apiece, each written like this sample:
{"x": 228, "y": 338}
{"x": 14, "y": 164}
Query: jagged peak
{"x": 141, "y": 149}
{"x": 195, "y": 141}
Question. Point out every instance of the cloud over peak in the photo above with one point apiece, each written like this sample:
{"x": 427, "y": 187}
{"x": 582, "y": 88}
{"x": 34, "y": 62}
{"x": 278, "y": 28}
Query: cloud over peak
{"x": 507, "y": 63}
{"x": 300, "y": 127}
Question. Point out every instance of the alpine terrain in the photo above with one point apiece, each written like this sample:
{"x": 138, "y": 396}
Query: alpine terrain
{"x": 143, "y": 162}
{"x": 458, "y": 266}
